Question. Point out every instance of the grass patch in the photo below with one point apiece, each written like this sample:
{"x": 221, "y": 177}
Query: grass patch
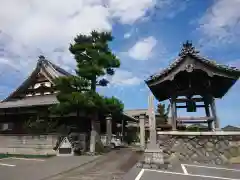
{"x": 25, "y": 156}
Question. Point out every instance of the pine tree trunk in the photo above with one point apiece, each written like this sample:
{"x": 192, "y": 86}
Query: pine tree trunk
{"x": 78, "y": 114}
{"x": 93, "y": 84}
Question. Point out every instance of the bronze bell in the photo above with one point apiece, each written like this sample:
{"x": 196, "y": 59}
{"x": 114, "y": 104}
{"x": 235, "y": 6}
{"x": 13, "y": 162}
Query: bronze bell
{"x": 191, "y": 105}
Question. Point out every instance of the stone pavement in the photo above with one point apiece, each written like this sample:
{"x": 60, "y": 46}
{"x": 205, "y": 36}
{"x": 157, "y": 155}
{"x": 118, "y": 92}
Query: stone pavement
{"x": 39, "y": 170}
{"x": 113, "y": 166}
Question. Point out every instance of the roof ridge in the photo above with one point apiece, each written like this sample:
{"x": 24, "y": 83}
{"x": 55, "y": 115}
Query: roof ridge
{"x": 169, "y": 67}
{"x": 42, "y": 59}
{"x": 41, "y": 63}
{"x": 213, "y": 62}
{"x": 189, "y": 50}
{"x": 203, "y": 59}
{"x": 58, "y": 68}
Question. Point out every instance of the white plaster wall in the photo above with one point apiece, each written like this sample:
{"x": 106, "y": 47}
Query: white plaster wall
{"x": 27, "y": 144}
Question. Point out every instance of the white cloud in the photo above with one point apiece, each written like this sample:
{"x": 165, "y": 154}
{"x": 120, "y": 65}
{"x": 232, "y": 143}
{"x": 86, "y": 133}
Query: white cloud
{"x": 176, "y": 7}
{"x": 221, "y": 22}
{"x": 143, "y": 49}
{"x": 235, "y": 63}
{"x": 130, "y": 33}
{"x": 9, "y": 63}
{"x": 34, "y": 27}
{"x": 29, "y": 28}
{"x": 48, "y": 24}
{"x": 125, "y": 78}
{"x": 128, "y": 11}
{"x": 3, "y": 90}
{"x": 127, "y": 35}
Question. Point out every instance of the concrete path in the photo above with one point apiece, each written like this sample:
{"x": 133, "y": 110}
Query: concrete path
{"x": 110, "y": 167}
{"x": 39, "y": 169}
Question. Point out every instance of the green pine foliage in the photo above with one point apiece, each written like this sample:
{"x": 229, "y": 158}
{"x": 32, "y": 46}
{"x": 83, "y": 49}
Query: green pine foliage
{"x": 94, "y": 57}
{"x": 163, "y": 113}
{"x": 94, "y": 60}
{"x": 113, "y": 105}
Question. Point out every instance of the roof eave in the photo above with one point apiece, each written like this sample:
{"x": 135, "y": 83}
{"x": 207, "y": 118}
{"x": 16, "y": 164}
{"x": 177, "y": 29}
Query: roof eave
{"x": 207, "y": 62}
{"x": 40, "y": 64}
{"x": 22, "y": 85}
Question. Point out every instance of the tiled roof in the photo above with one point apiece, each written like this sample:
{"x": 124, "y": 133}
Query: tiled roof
{"x": 131, "y": 118}
{"x": 231, "y": 128}
{"x": 43, "y": 64}
{"x": 46, "y": 63}
{"x": 135, "y": 112}
{"x": 197, "y": 57}
{"x": 189, "y": 50}
{"x": 30, "y": 101}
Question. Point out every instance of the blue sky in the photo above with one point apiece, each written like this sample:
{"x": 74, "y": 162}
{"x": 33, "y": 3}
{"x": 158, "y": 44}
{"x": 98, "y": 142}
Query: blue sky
{"x": 148, "y": 36}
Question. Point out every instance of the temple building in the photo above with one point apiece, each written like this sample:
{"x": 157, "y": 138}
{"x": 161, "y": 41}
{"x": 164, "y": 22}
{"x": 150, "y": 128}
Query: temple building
{"x": 32, "y": 99}
{"x": 192, "y": 82}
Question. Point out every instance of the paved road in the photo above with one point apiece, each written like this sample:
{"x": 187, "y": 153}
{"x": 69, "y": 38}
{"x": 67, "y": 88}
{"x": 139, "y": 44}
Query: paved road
{"x": 186, "y": 172}
{"x": 109, "y": 167}
{"x": 30, "y": 169}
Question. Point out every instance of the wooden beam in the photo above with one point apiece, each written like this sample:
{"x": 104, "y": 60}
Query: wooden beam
{"x": 182, "y": 100}
{"x": 194, "y": 122}
{"x": 198, "y": 106}
{"x": 173, "y": 111}
{"x": 208, "y": 115}
{"x": 213, "y": 108}
{"x": 157, "y": 129}
{"x": 194, "y": 118}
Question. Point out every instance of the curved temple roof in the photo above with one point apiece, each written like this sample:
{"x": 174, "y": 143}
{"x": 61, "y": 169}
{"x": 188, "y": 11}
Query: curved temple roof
{"x": 30, "y": 101}
{"x": 197, "y": 57}
{"x": 205, "y": 64}
{"x": 189, "y": 50}
{"x": 51, "y": 70}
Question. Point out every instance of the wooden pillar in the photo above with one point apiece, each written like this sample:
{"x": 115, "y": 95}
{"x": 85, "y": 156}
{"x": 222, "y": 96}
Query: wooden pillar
{"x": 142, "y": 130}
{"x": 206, "y": 106}
{"x": 214, "y": 113}
{"x": 174, "y": 113}
{"x": 109, "y": 129}
{"x": 210, "y": 122}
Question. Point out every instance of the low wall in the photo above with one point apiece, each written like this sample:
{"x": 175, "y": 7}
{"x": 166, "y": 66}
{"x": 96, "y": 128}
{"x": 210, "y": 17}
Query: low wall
{"x": 200, "y": 147}
{"x": 28, "y": 144}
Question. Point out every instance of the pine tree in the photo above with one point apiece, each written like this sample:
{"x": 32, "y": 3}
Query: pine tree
{"x": 94, "y": 59}
{"x": 77, "y": 93}
{"x": 113, "y": 105}
{"x": 163, "y": 114}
